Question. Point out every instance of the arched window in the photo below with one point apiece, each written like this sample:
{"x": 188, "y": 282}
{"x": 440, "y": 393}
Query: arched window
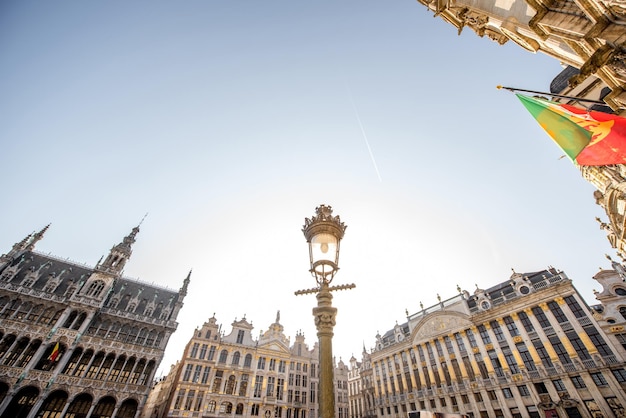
{"x": 239, "y": 410}
{"x": 128, "y": 409}
{"x": 223, "y": 356}
{"x": 22, "y": 402}
{"x": 622, "y": 310}
{"x": 79, "y": 321}
{"x": 80, "y": 406}
{"x": 17, "y": 349}
{"x": 53, "y": 405}
{"x": 236, "y": 357}
{"x": 247, "y": 362}
{"x": 95, "y": 288}
{"x": 104, "y": 408}
{"x": 70, "y": 319}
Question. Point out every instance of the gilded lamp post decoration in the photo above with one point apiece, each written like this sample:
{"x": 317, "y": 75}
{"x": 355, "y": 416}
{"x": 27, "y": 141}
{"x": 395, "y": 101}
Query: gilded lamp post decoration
{"x": 323, "y": 233}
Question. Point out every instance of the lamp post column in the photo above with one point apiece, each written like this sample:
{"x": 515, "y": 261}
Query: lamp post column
{"x": 325, "y": 315}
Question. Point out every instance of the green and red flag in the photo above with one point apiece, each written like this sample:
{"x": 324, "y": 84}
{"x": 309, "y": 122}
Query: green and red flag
{"x": 587, "y": 137}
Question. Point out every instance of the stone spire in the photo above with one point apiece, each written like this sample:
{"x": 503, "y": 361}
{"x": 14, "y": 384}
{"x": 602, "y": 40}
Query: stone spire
{"x": 119, "y": 254}
{"x": 36, "y": 237}
{"x": 26, "y": 244}
{"x": 181, "y": 296}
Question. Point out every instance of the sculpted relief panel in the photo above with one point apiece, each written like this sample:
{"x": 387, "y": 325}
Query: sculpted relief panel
{"x": 439, "y": 325}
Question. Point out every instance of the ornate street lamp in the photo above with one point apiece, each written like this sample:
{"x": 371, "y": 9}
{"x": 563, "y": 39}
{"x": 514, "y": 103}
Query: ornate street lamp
{"x": 324, "y": 232}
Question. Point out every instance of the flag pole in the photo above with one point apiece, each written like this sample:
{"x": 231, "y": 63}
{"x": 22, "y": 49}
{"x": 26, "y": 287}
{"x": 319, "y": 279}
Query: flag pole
{"x": 560, "y": 96}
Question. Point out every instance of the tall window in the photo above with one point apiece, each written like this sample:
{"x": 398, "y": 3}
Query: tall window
{"x": 240, "y": 335}
{"x": 236, "y": 358}
{"x": 247, "y": 361}
{"x": 578, "y": 345}
{"x": 243, "y": 385}
{"x": 528, "y": 325}
{"x": 280, "y": 388}
{"x": 217, "y": 381}
{"x": 484, "y": 334}
{"x": 495, "y": 362}
{"x": 557, "y": 312}
{"x": 271, "y": 381}
{"x": 597, "y": 340}
{"x": 510, "y": 325}
{"x": 211, "y": 353}
{"x": 525, "y": 355}
{"x": 261, "y": 363}
{"x": 459, "y": 341}
{"x": 258, "y": 386}
{"x": 574, "y": 306}
{"x": 471, "y": 338}
{"x": 543, "y": 353}
{"x": 560, "y": 350}
{"x": 497, "y": 330}
{"x": 189, "y": 403}
{"x": 223, "y": 356}
{"x": 541, "y": 317}
{"x": 179, "y": 399}
{"x": 230, "y": 385}
{"x": 510, "y": 360}
{"x": 194, "y": 350}
{"x": 196, "y": 373}
{"x": 203, "y": 351}
{"x": 599, "y": 379}
{"x": 205, "y": 375}
{"x": 187, "y": 374}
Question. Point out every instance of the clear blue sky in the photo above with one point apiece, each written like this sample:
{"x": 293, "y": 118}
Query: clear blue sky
{"x": 228, "y": 122}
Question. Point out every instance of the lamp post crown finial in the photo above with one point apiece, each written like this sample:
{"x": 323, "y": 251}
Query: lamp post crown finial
{"x": 324, "y": 215}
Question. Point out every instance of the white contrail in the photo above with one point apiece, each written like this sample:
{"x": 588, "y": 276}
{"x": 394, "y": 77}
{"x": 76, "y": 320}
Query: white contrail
{"x": 358, "y": 118}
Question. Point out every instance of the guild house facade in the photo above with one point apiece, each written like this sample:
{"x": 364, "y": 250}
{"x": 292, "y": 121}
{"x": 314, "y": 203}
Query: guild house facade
{"x": 236, "y": 375}
{"x": 527, "y": 347}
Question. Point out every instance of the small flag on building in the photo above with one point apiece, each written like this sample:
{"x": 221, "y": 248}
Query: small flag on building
{"x": 55, "y": 353}
{"x": 587, "y": 137}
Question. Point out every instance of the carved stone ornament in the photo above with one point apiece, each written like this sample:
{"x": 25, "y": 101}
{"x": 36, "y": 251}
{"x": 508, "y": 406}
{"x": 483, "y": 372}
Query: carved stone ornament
{"x": 510, "y": 30}
{"x": 439, "y": 325}
{"x": 617, "y": 63}
{"x": 617, "y": 7}
{"x": 476, "y": 21}
{"x": 496, "y": 36}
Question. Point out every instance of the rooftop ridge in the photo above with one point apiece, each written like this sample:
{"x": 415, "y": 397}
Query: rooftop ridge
{"x": 89, "y": 267}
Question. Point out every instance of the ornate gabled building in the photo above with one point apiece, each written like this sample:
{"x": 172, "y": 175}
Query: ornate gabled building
{"x": 361, "y": 387}
{"x": 588, "y": 35}
{"x": 527, "y": 347}
{"x": 235, "y": 374}
{"x": 79, "y": 341}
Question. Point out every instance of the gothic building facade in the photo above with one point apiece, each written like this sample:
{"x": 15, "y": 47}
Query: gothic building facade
{"x": 237, "y": 375}
{"x": 79, "y": 341}
{"x": 587, "y": 35}
{"x": 527, "y": 347}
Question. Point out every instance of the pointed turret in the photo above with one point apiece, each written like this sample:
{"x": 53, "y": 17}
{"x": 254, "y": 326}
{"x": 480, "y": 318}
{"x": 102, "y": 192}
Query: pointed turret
{"x": 27, "y": 244}
{"x": 36, "y": 237}
{"x": 119, "y": 255}
{"x": 181, "y": 296}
